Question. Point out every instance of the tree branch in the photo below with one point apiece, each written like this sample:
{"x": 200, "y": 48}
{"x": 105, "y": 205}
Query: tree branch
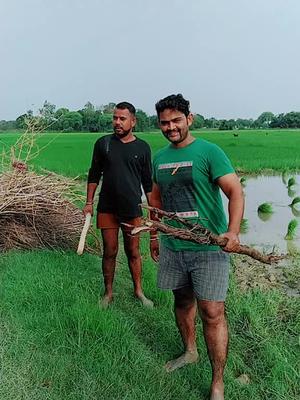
{"x": 198, "y": 234}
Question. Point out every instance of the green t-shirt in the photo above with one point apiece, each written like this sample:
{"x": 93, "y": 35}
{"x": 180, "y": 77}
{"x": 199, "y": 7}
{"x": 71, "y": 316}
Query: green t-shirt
{"x": 187, "y": 182}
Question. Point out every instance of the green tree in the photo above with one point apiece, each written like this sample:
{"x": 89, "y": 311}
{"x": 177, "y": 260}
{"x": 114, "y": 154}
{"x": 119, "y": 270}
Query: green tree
{"x": 292, "y": 119}
{"x": 105, "y": 122}
{"x": 108, "y": 108}
{"x": 227, "y": 125}
{"x": 264, "y": 120}
{"x": 244, "y": 123}
{"x": 142, "y": 121}
{"x": 7, "y": 125}
{"x": 58, "y": 125}
{"x": 90, "y": 117}
{"x": 153, "y": 122}
{"x": 47, "y": 113}
{"x": 71, "y": 121}
{"x": 212, "y": 123}
{"x": 198, "y": 122}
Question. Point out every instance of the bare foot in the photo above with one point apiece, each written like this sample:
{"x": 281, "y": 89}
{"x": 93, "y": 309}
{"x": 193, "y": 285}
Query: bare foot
{"x": 145, "y": 302}
{"x": 188, "y": 357}
{"x": 217, "y": 392}
{"x": 105, "y": 301}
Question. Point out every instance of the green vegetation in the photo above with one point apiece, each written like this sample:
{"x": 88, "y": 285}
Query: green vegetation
{"x": 57, "y": 344}
{"x": 284, "y": 177}
{"x": 244, "y": 225}
{"x": 291, "y": 231}
{"x": 265, "y": 208}
{"x": 251, "y": 152}
{"x": 291, "y": 182}
{"x": 295, "y": 201}
{"x": 243, "y": 181}
{"x": 98, "y": 119}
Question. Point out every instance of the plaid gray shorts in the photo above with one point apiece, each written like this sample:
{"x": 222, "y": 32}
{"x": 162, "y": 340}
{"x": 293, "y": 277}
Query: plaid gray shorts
{"x": 206, "y": 272}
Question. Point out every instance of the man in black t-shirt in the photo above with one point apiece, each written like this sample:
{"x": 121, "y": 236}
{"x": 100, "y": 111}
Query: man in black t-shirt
{"x": 124, "y": 163}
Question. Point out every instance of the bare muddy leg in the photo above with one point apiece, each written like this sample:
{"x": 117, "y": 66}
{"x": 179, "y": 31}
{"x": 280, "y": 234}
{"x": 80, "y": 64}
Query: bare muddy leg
{"x": 216, "y": 337}
{"x": 131, "y": 247}
{"x": 110, "y": 250}
{"x": 185, "y": 313}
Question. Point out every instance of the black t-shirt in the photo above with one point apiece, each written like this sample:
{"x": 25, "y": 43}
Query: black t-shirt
{"x": 124, "y": 167}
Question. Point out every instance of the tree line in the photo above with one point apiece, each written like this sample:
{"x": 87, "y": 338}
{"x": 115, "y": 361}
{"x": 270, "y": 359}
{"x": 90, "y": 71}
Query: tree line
{"x": 99, "y": 119}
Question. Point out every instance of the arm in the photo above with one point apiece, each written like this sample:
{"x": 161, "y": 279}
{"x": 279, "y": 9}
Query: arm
{"x": 232, "y": 188}
{"x": 95, "y": 173}
{"x": 91, "y": 189}
{"x": 155, "y": 201}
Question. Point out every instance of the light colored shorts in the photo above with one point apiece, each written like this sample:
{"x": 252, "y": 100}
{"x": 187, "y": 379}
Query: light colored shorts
{"x": 206, "y": 272}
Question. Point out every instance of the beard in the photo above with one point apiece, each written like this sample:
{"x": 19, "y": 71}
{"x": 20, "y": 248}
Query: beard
{"x": 121, "y": 134}
{"x": 181, "y": 136}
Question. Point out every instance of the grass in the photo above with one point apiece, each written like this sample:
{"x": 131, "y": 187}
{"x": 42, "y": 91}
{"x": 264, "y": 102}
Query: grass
{"x": 265, "y": 208}
{"x": 243, "y": 181}
{"x": 295, "y": 201}
{"x": 57, "y": 344}
{"x": 70, "y": 153}
{"x": 291, "y": 231}
{"x": 291, "y": 182}
{"x": 244, "y": 227}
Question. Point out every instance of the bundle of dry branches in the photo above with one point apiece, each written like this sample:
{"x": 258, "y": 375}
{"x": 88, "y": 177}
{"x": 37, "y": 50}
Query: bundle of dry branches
{"x": 198, "y": 234}
{"x": 38, "y": 211}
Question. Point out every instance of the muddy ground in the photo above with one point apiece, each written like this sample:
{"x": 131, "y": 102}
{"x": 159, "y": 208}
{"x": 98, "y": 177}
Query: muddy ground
{"x": 284, "y": 276}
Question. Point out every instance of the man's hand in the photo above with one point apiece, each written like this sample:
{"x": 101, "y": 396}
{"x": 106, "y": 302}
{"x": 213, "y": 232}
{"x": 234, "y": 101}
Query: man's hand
{"x": 233, "y": 243}
{"x": 88, "y": 209}
{"x": 154, "y": 248}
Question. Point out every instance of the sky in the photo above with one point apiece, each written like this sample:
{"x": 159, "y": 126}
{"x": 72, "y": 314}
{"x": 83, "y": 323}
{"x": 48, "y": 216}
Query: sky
{"x": 230, "y": 58}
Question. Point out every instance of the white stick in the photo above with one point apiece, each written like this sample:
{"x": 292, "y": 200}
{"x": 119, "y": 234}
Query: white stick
{"x": 83, "y": 234}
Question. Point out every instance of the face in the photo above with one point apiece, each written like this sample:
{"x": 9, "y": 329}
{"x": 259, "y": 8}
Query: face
{"x": 175, "y": 126}
{"x": 123, "y": 122}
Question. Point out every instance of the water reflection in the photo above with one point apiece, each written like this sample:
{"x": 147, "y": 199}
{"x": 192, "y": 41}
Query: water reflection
{"x": 265, "y": 231}
{"x": 292, "y": 191}
{"x": 296, "y": 212}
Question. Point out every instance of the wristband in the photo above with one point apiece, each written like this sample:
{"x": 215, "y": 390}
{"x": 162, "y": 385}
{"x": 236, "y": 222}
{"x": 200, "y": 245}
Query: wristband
{"x": 89, "y": 203}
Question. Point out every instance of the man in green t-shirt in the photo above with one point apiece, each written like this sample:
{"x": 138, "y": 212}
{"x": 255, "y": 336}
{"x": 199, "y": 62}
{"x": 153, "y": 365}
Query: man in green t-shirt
{"x": 188, "y": 175}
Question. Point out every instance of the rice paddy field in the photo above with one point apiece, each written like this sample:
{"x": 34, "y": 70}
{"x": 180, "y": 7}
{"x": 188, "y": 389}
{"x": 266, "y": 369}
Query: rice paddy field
{"x": 254, "y": 152}
{"x": 57, "y": 344}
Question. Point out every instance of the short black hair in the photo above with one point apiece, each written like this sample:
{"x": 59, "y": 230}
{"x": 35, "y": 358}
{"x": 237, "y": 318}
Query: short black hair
{"x": 125, "y": 105}
{"x": 173, "y": 102}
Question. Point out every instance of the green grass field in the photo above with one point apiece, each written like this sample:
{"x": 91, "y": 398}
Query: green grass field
{"x": 56, "y": 344}
{"x": 250, "y": 152}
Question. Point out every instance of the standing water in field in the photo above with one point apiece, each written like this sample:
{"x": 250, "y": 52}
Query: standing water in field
{"x": 265, "y": 230}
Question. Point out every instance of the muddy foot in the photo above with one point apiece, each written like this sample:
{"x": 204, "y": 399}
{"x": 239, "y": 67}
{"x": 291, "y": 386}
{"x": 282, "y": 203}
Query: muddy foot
{"x": 216, "y": 396}
{"x": 145, "y": 302}
{"x": 105, "y": 302}
{"x": 217, "y": 392}
{"x": 188, "y": 357}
